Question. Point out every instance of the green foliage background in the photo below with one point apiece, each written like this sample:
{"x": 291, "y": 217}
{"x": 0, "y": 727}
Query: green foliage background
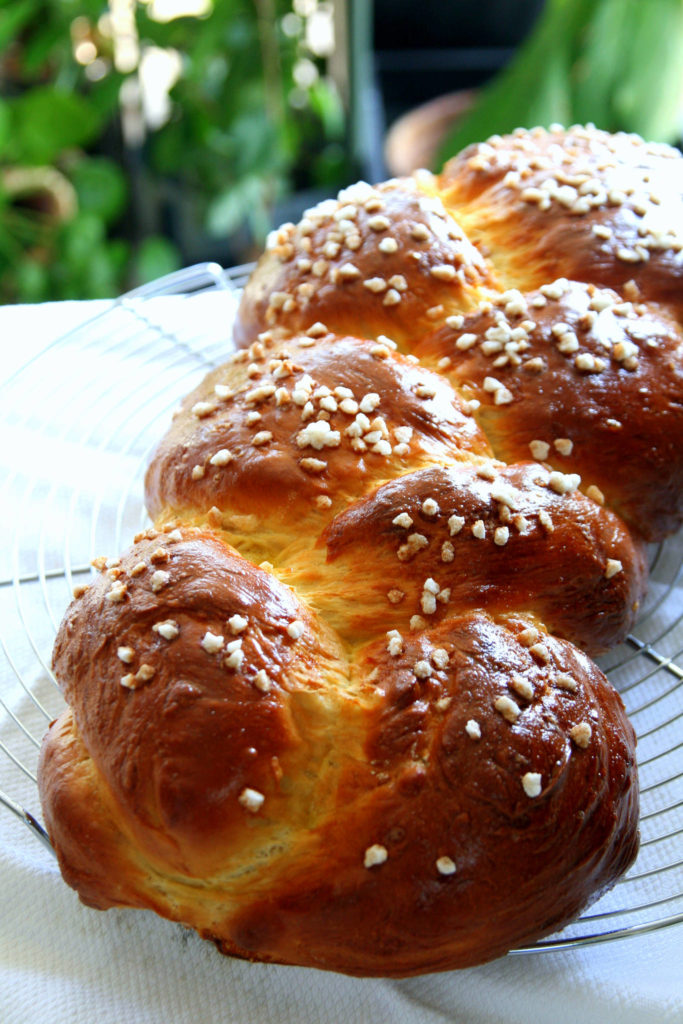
{"x": 615, "y": 63}
{"x": 84, "y": 215}
{"x": 232, "y": 148}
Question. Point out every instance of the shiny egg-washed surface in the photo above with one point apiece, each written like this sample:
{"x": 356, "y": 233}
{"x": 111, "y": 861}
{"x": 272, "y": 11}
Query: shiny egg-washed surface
{"x": 369, "y": 752}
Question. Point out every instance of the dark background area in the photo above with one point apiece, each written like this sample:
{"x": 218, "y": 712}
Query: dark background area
{"x": 425, "y": 49}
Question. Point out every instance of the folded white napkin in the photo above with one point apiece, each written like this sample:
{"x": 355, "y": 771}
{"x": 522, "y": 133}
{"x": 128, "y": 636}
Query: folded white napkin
{"x": 72, "y": 460}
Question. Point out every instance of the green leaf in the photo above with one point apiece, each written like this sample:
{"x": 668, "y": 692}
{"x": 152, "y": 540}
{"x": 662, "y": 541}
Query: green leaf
{"x": 330, "y": 166}
{"x": 103, "y": 278}
{"x": 89, "y": 266}
{"x": 236, "y": 206}
{"x": 13, "y": 19}
{"x": 648, "y": 98}
{"x": 31, "y": 281}
{"x": 534, "y": 88}
{"x": 46, "y": 47}
{"x": 617, "y": 63}
{"x": 5, "y": 125}
{"x": 46, "y": 121}
{"x": 81, "y": 238}
{"x": 156, "y": 256}
{"x": 327, "y": 106}
{"x": 253, "y": 141}
{"x": 101, "y": 187}
{"x": 599, "y": 63}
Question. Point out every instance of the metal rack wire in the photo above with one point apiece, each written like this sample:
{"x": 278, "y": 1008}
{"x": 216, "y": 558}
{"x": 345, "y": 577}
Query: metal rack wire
{"x": 83, "y": 417}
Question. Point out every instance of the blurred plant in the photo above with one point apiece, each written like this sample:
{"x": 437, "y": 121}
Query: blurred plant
{"x": 94, "y": 148}
{"x": 55, "y": 202}
{"x": 616, "y": 63}
{"x": 252, "y": 117}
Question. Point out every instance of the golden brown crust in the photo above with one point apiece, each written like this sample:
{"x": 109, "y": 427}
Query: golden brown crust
{"x": 226, "y": 763}
{"x": 402, "y": 790}
{"x": 581, "y": 204}
{"x": 186, "y": 634}
{"x": 370, "y": 753}
{"x": 585, "y": 381}
{"x": 442, "y": 540}
{"x": 95, "y": 855}
{"x": 380, "y": 260}
{"x": 578, "y": 205}
{"x": 261, "y": 449}
{"x": 450, "y": 809}
{"x": 300, "y": 804}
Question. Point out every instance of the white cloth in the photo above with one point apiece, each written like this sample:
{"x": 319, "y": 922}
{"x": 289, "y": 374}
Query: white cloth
{"x": 63, "y": 963}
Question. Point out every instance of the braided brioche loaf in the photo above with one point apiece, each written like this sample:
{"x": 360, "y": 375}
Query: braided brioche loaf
{"x": 337, "y": 708}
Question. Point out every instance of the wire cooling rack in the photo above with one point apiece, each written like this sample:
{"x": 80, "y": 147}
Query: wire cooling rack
{"x": 82, "y": 419}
